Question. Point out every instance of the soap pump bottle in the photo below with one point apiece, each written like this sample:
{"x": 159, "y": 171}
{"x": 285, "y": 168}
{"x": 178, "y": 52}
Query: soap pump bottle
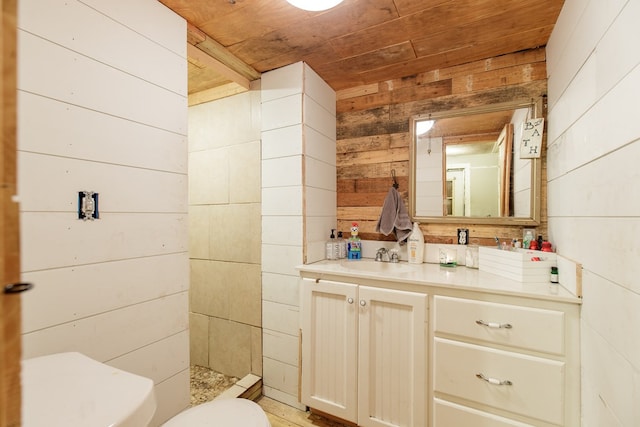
{"x": 331, "y": 252}
{"x": 342, "y": 246}
{"x": 415, "y": 245}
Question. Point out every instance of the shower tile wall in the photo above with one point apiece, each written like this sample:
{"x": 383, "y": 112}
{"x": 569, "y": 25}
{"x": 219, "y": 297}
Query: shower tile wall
{"x": 224, "y": 234}
{"x": 259, "y": 204}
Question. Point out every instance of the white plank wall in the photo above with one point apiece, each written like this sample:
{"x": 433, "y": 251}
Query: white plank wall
{"x": 593, "y": 65}
{"x": 57, "y": 124}
{"x": 103, "y": 107}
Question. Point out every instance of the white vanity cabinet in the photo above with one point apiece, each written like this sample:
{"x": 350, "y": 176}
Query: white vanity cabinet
{"x": 504, "y": 364}
{"x": 430, "y": 346}
{"x": 364, "y": 354}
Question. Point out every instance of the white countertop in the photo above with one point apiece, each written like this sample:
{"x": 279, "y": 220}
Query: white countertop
{"x": 459, "y": 278}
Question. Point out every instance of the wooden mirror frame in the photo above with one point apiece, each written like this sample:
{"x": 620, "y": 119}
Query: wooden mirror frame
{"x": 536, "y": 168}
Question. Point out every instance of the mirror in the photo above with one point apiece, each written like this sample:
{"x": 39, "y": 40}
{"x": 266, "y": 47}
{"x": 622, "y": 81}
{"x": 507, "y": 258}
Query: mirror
{"x": 466, "y": 166}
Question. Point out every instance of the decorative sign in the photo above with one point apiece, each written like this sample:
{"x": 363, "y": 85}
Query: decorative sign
{"x": 531, "y": 143}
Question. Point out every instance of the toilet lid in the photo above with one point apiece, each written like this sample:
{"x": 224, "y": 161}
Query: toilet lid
{"x": 222, "y": 413}
{"x": 71, "y": 389}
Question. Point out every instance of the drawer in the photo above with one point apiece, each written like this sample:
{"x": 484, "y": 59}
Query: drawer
{"x": 525, "y": 327}
{"x": 448, "y": 414}
{"x": 537, "y": 384}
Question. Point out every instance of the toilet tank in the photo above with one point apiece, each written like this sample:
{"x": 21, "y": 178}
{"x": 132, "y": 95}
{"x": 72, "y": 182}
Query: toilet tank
{"x": 71, "y": 389}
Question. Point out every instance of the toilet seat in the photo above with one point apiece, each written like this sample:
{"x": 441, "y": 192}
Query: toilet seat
{"x": 222, "y": 413}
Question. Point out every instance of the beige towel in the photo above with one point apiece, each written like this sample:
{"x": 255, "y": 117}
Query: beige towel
{"x": 394, "y": 217}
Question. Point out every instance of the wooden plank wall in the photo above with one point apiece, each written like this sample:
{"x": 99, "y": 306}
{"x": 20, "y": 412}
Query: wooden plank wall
{"x": 373, "y": 135}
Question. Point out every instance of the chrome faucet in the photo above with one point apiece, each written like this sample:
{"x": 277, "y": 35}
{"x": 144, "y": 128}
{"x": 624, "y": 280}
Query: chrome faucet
{"x": 382, "y": 255}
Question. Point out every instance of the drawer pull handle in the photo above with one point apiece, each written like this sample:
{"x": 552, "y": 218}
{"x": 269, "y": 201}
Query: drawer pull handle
{"x": 493, "y": 380}
{"x": 494, "y": 325}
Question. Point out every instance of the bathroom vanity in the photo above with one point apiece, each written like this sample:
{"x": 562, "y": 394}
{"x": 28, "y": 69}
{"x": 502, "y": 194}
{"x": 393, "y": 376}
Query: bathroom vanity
{"x": 388, "y": 344}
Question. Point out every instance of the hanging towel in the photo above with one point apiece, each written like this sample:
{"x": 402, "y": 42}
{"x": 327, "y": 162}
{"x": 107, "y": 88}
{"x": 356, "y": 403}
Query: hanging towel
{"x": 394, "y": 217}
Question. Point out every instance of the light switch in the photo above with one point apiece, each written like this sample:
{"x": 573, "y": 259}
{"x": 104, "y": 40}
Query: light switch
{"x": 88, "y": 205}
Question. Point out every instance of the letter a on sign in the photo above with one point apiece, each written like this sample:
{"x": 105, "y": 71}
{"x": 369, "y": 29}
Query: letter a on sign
{"x": 531, "y": 143}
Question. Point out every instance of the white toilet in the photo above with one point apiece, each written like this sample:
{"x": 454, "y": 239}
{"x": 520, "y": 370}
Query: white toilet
{"x": 71, "y": 389}
{"x": 223, "y": 413}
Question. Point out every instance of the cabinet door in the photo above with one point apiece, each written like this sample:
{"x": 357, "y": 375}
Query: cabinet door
{"x": 392, "y": 358}
{"x": 329, "y": 347}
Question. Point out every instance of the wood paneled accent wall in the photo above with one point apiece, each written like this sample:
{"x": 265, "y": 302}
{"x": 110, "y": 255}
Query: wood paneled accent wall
{"x": 373, "y": 135}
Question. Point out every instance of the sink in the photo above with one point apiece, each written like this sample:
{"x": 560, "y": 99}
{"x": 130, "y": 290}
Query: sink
{"x": 370, "y": 266}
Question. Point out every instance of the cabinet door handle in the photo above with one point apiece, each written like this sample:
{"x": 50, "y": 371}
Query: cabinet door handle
{"x": 493, "y": 380}
{"x": 350, "y": 300}
{"x": 495, "y": 325}
{"x": 363, "y": 302}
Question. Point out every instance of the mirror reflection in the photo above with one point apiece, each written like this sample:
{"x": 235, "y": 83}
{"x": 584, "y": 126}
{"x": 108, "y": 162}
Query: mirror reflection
{"x": 467, "y": 164}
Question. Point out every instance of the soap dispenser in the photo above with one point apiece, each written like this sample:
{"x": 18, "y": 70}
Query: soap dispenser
{"x": 331, "y": 246}
{"x": 342, "y": 246}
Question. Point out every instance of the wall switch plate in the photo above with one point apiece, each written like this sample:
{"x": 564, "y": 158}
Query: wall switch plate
{"x": 88, "y": 205}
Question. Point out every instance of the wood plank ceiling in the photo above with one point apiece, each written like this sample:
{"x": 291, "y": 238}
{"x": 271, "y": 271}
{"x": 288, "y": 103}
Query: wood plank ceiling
{"x": 356, "y": 43}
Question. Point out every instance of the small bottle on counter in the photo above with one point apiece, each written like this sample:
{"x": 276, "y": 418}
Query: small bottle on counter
{"x": 415, "y": 245}
{"x": 554, "y": 285}
{"x": 354, "y": 245}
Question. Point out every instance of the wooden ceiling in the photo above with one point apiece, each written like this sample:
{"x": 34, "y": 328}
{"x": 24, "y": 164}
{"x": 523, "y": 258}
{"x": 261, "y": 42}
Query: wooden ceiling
{"x": 357, "y": 42}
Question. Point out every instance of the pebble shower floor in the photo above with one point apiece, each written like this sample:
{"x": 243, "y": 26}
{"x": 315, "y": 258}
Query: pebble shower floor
{"x": 207, "y": 384}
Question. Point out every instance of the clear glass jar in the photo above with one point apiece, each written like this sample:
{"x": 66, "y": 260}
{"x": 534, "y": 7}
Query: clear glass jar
{"x": 472, "y": 258}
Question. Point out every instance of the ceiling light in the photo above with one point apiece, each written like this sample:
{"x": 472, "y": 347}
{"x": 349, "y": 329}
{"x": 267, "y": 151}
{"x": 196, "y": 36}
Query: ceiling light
{"x": 424, "y": 126}
{"x": 314, "y": 5}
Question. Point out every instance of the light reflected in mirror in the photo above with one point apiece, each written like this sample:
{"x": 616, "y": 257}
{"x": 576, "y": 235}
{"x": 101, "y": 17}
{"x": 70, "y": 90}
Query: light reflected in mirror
{"x": 466, "y": 167}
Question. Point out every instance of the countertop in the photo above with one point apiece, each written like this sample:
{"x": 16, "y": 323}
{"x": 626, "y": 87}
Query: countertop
{"x": 458, "y": 278}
